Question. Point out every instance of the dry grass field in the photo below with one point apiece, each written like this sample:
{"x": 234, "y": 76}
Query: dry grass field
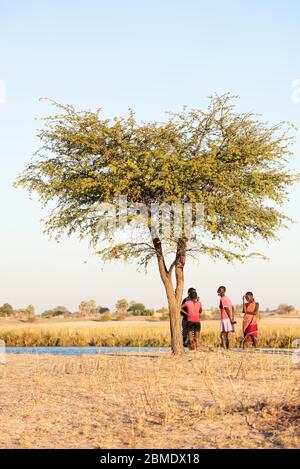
{"x": 273, "y": 332}
{"x": 206, "y": 399}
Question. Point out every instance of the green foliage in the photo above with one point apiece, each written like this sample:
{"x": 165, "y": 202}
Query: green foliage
{"x": 105, "y": 317}
{"x": 26, "y": 314}
{"x": 87, "y": 308}
{"x": 57, "y": 311}
{"x": 215, "y": 313}
{"x": 6, "y": 310}
{"x": 137, "y": 309}
{"x": 47, "y": 313}
{"x": 164, "y": 314}
{"x": 120, "y": 315}
{"x": 30, "y": 310}
{"x": 148, "y": 312}
{"x": 122, "y": 305}
{"x": 234, "y": 164}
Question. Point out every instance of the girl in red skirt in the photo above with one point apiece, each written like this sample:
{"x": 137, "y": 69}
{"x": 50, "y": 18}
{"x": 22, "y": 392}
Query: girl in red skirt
{"x": 250, "y": 310}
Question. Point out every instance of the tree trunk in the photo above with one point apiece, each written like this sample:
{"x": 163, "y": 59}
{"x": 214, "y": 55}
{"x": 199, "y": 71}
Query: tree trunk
{"x": 175, "y": 320}
{"x": 174, "y": 297}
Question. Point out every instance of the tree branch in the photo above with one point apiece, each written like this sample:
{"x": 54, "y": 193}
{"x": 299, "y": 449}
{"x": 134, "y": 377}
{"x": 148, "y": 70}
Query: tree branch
{"x": 160, "y": 259}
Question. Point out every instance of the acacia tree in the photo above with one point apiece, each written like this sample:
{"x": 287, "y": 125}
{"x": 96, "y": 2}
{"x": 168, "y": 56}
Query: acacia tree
{"x": 87, "y": 308}
{"x": 232, "y": 163}
{"x": 122, "y": 305}
{"x": 6, "y": 310}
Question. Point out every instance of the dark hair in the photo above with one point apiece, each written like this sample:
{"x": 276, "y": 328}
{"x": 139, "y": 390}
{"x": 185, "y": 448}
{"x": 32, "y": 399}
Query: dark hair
{"x": 193, "y": 295}
{"x": 222, "y": 287}
{"x": 249, "y": 293}
{"x": 191, "y": 289}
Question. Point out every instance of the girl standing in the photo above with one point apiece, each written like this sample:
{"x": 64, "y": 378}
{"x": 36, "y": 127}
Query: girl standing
{"x": 250, "y": 310}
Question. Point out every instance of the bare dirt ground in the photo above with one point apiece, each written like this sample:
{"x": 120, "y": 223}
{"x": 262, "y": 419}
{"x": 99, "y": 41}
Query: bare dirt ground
{"x": 207, "y": 399}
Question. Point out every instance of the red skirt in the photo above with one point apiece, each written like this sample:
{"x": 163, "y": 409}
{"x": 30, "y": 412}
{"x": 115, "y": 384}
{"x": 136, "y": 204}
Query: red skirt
{"x": 251, "y": 330}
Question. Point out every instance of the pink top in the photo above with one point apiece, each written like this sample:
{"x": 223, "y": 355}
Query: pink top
{"x": 250, "y": 308}
{"x": 193, "y": 310}
{"x": 225, "y": 302}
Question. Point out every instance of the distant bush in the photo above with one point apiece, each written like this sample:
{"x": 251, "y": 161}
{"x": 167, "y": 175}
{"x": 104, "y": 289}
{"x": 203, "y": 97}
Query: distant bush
{"x": 46, "y": 313}
{"x": 163, "y": 314}
{"x": 205, "y": 315}
{"x": 122, "y": 305}
{"x": 25, "y": 314}
{"x": 238, "y": 310}
{"x": 31, "y": 319}
{"x": 137, "y": 309}
{"x": 215, "y": 313}
{"x": 30, "y": 310}
{"x": 87, "y": 308}
{"x": 102, "y": 309}
{"x": 148, "y": 312}
{"x": 120, "y": 316}
{"x": 105, "y": 317}
{"x": 284, "y": 309}
{"x": 58, "y": 311}
{"x": 6, "y": 310}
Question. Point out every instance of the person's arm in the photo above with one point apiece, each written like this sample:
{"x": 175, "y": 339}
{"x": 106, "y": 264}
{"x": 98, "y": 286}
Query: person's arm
{"x": 183, "y": 311}
{"x": 244, "y": 305}
{"x": 227, "y": 310}
{"x": 255, "y": 311}
{"x": 230, "y": 314}
{"x": 233, "y": 321}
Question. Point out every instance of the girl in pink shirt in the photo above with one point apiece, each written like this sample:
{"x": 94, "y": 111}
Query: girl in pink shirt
{"x": 192, "y": 308}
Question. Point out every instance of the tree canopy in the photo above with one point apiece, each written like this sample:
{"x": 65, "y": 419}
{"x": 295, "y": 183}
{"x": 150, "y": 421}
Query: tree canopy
{"x": 6, "y": 310}
{"x": 232, "y": 163}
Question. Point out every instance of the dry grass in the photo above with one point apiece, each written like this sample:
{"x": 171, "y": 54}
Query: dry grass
{"x": 206, "y": 399}
{"x": 277, "y": 332}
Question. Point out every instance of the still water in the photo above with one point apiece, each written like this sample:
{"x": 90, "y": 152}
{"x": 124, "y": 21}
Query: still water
{"x": 82, "y": 350}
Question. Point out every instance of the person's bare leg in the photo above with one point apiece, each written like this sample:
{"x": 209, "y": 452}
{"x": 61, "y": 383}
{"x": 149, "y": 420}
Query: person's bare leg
{"x": 227, "y": 340}
{"x": 254, "y": 341}
{"x": 191, "y": 340}
{"x": 222, "y": 340}
{"x": 196, "y": 339}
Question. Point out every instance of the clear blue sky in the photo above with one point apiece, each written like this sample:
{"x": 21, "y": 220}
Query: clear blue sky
{"x": 153, "y": 56}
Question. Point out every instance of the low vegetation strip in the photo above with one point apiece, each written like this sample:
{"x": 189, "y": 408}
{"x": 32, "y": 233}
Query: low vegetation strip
{"x": 157, "y": 335}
